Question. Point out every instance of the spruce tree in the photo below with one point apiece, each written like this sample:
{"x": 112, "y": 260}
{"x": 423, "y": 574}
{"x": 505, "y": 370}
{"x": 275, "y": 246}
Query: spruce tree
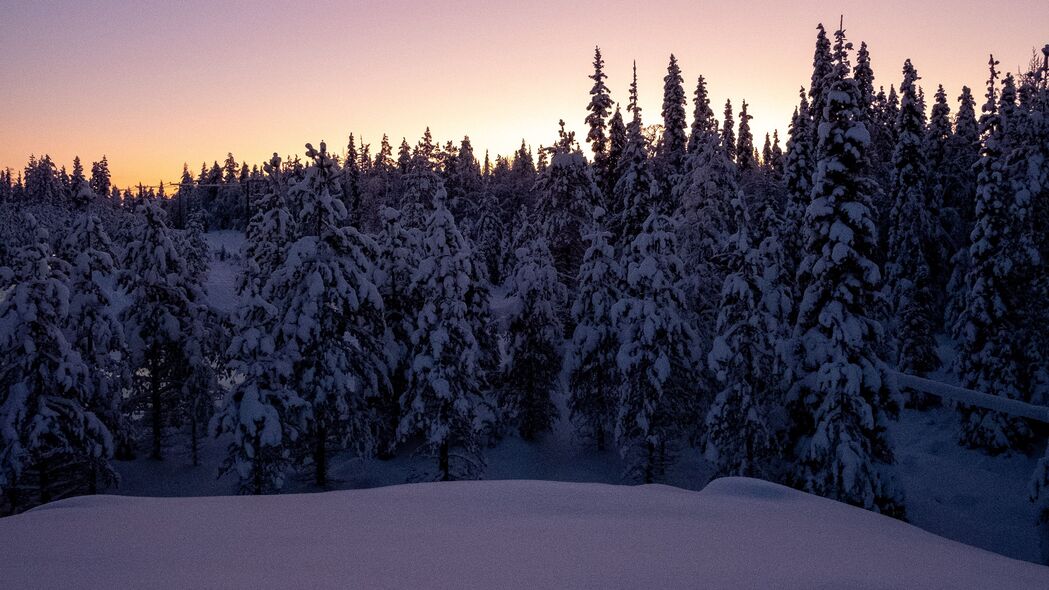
{"x": 443, "y": 402}
{"x": 745, "y": 143}
{"x": 566, "y": 195}
{"x": 656, "y": 397}
{"x": 329, "y": 331}
{"x": 533, "y": 353}
{"x": 617, "y": 140}
{"x": 797, "y": 173}
{"x": 703, "y": 123}
{"x": 823, "y": 76}
{"x": 911, "y": 236}
{"x": 590, "y": 362}
{"x": 728, "y": 133}
{"x": 671, "y": 150}
{"x": 51, "y": 437}
{"x": 634, "y": 191}
{"x": 745, "y": 357}
{"x": 269, "y": 233}
{"x": 598, "y": 110}
{"x": 843, "y": 394}
{"x": 994, "y": 355}
{"x": 864, "y": 76}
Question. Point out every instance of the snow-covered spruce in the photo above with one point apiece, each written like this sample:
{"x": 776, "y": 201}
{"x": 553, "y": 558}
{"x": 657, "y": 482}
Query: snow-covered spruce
{"x": 797, "y": 175}
{"x": 657, "y": 354}
{"x": 51, "y": 441}
{"x": 443, "y": 402}
{"x": 269, "y": 233}
{"x": 634, "y": 193}
{"x": 590, "y": 361}
{"x": 329, "y": 328}
{"x": 747, "y": 358}
{"x": 597, "y": 113}
{"x": 994, "y": 356}
{"x": 168, "y": 327}
{"x": 843, "y": 395}
{"x": 530, "y": 375}
{"x": 912, "y": 233}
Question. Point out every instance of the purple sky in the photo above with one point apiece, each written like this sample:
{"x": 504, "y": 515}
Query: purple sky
{"x": 156, "y": 84}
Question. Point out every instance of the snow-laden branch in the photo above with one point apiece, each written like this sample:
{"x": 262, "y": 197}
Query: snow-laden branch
{"x": 975, "y": 398}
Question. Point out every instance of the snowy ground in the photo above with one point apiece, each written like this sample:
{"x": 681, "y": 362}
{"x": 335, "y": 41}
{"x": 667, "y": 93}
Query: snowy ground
{"x": 737, "y": 533}
{"x": 954, "y": 492}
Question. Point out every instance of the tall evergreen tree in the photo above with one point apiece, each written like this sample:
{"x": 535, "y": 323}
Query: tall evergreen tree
{"x": 843, "y": 395}
{"x": 598, "y": 110}
{"x": 51, "y": 436}
{"x": 590, "y": 362}
{"x": 745, "y": 143}
{"x": 633, "y": 194}
{"x": 994, "y": 356}
{"x": 443, "y": 401}
{"x": 671, "y": 149}
{"x": 656, "y": 357}
{"x": 532, "y": 361}
{"x": 797, "y": 173}
{"x": 728, "y": 132}
{"x": 910, "y": 236}
{"x": 329, "y": 330}
{"x": 703, "y": 123}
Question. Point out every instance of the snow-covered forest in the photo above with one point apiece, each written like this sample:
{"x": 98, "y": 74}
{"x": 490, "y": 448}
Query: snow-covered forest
{"x": 684, "y": 299}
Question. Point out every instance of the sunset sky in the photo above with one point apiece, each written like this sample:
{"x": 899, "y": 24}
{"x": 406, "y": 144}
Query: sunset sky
{"x": 156, "y": 84}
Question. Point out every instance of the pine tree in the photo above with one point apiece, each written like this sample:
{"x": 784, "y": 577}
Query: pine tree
{"x": 766, "y": 153}
{"x": 99, "y": 181}
{"x": 936, "y": 141}
{"x": 823, "y": 76}
{"x": 911, "y": 231}
{"x": 745, "y": 357}
{"x": 864, "y": 76}
{"x": 463, "y": 184}
{"x": 599, "y": 108}
{"x": 745, "y": 143}
{"x": 778, "y": 160}
{"x": 843, "y": 394}
{"x": 329, "y": 331}
{"x": 590, "y": 362}
{"x": 993, "y": 354}
{"x": 50, "y": 433}
{"x": 656, "y": 396}
{"x": 443, "y": 401}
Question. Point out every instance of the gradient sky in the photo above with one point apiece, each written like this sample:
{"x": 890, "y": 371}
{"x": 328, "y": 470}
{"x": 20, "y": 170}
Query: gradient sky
{"x": 155, "y": 84}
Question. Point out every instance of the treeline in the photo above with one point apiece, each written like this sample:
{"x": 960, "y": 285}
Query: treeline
{"x": 690, "y": 290}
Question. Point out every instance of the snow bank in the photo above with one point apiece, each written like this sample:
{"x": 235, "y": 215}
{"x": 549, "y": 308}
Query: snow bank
{"x": 737, "y": 533}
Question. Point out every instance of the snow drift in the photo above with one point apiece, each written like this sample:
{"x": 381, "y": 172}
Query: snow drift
{"x": 736, "y": 533}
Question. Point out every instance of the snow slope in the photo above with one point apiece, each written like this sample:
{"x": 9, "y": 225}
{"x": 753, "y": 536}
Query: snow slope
{"x": 737, "y": 533}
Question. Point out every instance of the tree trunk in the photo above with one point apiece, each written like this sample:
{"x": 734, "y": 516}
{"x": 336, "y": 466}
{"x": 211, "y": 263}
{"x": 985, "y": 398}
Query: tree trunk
{"x": 320, "y": 458}
{"x": 157, "y": 415}
{"x": 443, "y": 463}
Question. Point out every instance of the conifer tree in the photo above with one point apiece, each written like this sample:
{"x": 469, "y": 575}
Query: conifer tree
{"x": 51, "y": 437}
{"x": 745, "y": 143}
{"x": 532, "y": 361}
{"x": 778, "y": 158}
{"x": 330, "y": 327}
{"x": 566, "y": 195}
{"x": 937, "y": 137}
{"x": 994, "y": 356}
{"x": 843, "y": 393}
{"x": 633, "y": 194}
{"x": 100, "y": 178}
{"x": 94, "y": 329}
{"x": 864, "y": 76}
{"x": 797, "y": 172}
{"x": 657, "y": 396}
{"x": 598, "y": 110}
{"x": 671, "y": 149}
{"x": 823, "y": 76}
{"x": 590, "y": 362}
{"x": 703, "y": 123}
{"x": 728, "y": 132}
{"x": 745, "y": 358}
{"x": 617, "y": 140}
{"x": 270, "y": 231}
{"x": 443, "y": 401}
{"x": 910, "y": 236}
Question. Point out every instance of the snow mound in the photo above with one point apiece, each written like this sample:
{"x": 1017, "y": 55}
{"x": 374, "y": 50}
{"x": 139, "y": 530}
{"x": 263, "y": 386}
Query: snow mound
{"x": 736, "y": 533}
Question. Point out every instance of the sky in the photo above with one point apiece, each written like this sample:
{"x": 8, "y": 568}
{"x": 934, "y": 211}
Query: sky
{"x": 155, "y": 84}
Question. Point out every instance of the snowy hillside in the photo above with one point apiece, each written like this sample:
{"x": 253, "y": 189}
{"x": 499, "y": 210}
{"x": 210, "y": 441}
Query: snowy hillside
{"x": 737, "y": 533}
